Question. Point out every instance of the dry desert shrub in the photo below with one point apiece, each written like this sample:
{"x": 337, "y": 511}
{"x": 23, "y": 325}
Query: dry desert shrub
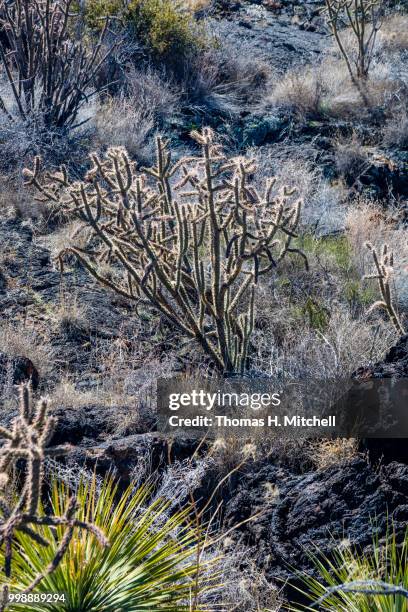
{"x": 120, "y": 122}
{"x": 327, "y": 453}
{"x": 324, "y": 207}
{"x": 396, "y": 130}
{"x": 17, "y": 340}
{"x": 150, "y": 90}
{"x": 351, "y": 158}
{"x": 393, "y": 35}
{"x": 344, "y": 345}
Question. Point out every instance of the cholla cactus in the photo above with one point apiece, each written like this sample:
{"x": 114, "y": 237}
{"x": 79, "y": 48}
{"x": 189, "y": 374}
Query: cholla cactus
{"x": 364, "y": 20}
{"x": 384, "y": 268}
{"x": 50, "y": 74}
{"x": 191, "y": 238}
{"x": 27, "y": 440}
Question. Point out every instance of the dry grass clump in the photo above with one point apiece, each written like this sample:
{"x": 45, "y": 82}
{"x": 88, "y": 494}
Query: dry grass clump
{"x": 120, "y": 122}
{"x": 17, "y": 340}
{"x": 328, "y": 453}
{"x": 245, "y": 585}
{"x": 153, "y": 92}
{"x": 299, "y": 91}
{"x": 72, "y": 318}
{"x": 220, "y": 81}
{"x": 130, "y": 119}
{"x": 351, "y": 158}
{"x": 63, "y": 237}
{"x": 393, "y": 35}
{"x": 327, "y": 90}
{"x": 16, "y": 200}
{"x": 122, "y": 414}
{"x": 396, "y": 130}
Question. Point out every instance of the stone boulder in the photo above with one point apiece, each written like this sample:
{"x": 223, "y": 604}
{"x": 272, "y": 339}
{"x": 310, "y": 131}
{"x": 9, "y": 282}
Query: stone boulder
{"x": 318, "y": 509}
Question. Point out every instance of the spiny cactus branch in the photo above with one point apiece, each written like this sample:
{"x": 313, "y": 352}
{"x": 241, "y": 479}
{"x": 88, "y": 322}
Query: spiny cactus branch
{"x": 27, "y": 440}
{"x": 384, "y": 263}
{"x": 50, "y": 74}
{"x": 191, "y": 238}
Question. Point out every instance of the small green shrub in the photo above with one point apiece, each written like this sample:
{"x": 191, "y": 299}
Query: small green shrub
{"x": 355, "y": 581}
{"x": 97, "y": 10}
{"x": 165, "y": 28}
{"x": 358, "y": 295}
{"x": 150, "y": 563}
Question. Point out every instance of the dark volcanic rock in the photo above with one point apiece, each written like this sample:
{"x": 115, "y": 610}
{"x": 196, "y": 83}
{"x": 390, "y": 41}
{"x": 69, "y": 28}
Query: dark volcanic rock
{"x": 394, "y": 365}
{"x": 257, "y": 32}
{"x": 16, "y": 370}
{"x": 318, "y": 509}
{"x": 130, "y": 455}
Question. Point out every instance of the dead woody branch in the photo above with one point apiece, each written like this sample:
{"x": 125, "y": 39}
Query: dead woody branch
{"x": 364, "y": 19}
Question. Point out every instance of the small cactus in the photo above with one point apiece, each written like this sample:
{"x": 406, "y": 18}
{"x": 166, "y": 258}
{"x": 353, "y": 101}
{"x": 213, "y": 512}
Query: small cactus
{"x": 27, "y": 440}
{"x": 384, "y": 263}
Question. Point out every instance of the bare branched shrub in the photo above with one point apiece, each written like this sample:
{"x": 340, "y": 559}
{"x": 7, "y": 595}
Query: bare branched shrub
{"x": 27, "y": 440}
{"x": 194, "y": 250}
{"x": 364, "y": 20}
{"x": 49, "y": 73}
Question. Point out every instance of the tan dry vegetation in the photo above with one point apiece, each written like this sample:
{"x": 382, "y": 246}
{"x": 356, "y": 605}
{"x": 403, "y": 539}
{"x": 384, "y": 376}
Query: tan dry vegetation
{"x": 326, "y": 89}
{"x": 393, "y": 35}
{"x": 328, "y": 453}
{"x": 369, "y": 222}
{"x": 18, "y": 340}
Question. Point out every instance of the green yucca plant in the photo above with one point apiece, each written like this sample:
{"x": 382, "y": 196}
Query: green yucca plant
{"x": 353, "y": 581}
{"x": 151, "y": 562}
